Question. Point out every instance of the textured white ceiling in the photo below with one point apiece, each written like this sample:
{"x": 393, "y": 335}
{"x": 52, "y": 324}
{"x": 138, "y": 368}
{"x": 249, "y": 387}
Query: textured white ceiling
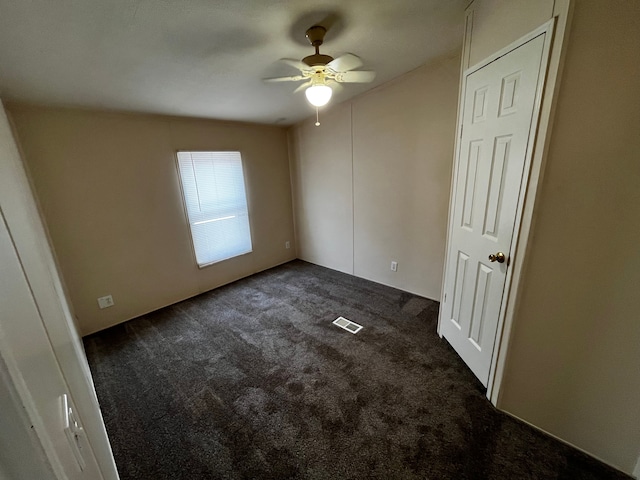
{"x": 206, "y": 58}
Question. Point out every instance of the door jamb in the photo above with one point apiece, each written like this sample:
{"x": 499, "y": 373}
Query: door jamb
{"x": 500, "y": 348}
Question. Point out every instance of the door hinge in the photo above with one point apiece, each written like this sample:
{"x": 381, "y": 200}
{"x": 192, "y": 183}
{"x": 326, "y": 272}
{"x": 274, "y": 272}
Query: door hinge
{"x": 461, "y": 128}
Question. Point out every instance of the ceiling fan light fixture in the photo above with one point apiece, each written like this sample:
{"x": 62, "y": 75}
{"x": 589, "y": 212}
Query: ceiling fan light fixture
{"x": 318, "y": 95}
{"x": 322, "y": 73}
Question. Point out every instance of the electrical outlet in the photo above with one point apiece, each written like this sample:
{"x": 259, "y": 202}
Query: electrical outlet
{"x": 105, "y": 302}
{"x": 287, "y": 244}
{"x": 394, "y": 266}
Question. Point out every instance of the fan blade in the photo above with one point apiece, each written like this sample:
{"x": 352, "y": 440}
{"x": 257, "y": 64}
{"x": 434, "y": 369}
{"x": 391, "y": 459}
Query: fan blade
{"x": 360, "y": 76}
{"x": 344, "y": 63}
{"x": 335, "y": 86}
{"x": 295, "y": 64}
{"x": 302, "y": 87}
{"x": 297, "y": 78}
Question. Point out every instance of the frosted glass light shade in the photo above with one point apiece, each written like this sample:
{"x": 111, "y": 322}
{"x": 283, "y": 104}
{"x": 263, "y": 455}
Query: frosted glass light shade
{"x": 318, "y": 95}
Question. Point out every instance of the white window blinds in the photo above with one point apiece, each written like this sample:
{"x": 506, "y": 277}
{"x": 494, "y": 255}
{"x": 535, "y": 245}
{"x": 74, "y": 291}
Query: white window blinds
{"x": 216, "y": 204}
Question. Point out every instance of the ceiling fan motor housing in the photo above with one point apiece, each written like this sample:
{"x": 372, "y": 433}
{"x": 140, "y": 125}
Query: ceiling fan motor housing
{"x": 317, "y": 60}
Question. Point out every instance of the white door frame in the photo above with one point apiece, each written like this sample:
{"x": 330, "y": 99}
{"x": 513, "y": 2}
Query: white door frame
{"x": 19, "y": 211}
{"x": 530, "y": 180}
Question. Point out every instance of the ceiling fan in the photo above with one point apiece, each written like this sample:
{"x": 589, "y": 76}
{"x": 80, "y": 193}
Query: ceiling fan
{"x": 323, "y": 73}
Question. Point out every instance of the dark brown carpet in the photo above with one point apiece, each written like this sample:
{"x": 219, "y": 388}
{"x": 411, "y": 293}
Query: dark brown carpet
{"x": 252, "y": 381}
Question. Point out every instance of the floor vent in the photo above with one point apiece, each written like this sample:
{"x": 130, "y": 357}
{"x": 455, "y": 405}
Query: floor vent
{"x": 348, "y": 325}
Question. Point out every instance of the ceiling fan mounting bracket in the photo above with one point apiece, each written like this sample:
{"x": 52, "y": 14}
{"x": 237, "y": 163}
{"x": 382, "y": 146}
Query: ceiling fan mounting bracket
{"x": 316, "y": 34}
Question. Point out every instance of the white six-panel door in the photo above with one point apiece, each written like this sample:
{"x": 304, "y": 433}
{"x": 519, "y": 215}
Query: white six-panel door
{"x": 497, "y": 112}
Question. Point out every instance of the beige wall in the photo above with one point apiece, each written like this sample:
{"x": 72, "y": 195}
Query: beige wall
{"x": 321, "y": 177}
{"x": 579, "y": 316}
{"x": 497, "y": 23}
{"x": 109, "y": 192}
{"x": 574, "y": 355}
{"x": 372, "y": 182}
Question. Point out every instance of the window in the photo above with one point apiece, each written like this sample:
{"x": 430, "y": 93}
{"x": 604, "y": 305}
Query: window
{"x": 216, "y": 204}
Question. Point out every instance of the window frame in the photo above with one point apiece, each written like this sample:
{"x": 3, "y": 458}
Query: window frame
{"x": 186, "y": 211}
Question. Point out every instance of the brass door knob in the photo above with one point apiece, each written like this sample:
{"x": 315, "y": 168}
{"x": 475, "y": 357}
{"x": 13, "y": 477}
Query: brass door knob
{"x": 498, "y": 257}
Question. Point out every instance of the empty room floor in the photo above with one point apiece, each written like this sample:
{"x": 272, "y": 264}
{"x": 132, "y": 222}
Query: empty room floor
{"x": 253, "y": 381}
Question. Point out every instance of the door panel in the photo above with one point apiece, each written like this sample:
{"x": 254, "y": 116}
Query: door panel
{"x": 496, "y": 119}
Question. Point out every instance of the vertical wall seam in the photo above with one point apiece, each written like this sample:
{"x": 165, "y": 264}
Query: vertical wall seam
{"x": 353, "y": 199}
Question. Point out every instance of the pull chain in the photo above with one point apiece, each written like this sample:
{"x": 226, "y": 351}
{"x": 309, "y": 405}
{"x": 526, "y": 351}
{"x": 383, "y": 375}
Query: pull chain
{"x": 317, "y": 118}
